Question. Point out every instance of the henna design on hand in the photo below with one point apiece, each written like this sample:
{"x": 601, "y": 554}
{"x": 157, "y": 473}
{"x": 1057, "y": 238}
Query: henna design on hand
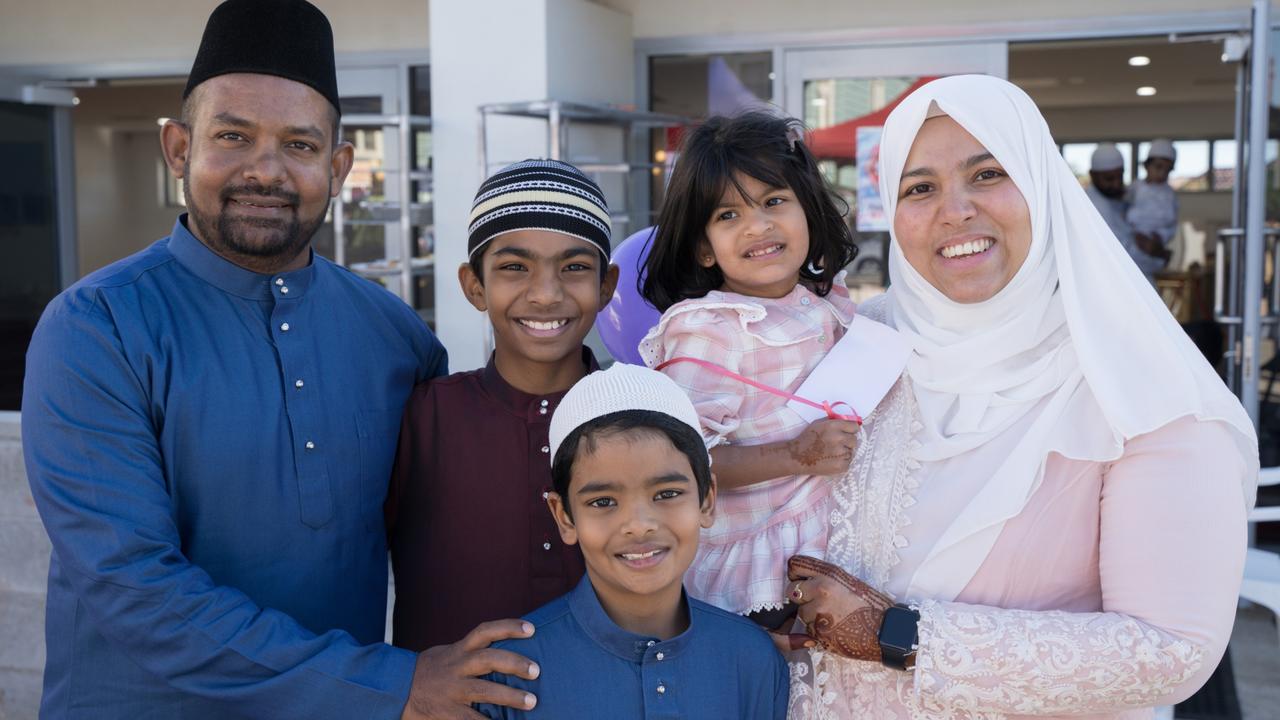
{"x": 815, "y": 452}
{"x": 856, "y": 635}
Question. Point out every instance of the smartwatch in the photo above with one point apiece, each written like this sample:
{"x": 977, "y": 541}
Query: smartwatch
{"x": 899, "y": 637}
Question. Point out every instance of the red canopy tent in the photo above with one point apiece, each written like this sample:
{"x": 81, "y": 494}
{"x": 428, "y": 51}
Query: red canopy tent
{"x": 840, "y": 141}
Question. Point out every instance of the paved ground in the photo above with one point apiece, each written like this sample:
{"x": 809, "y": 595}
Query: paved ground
{"x": 1255, "y": 657}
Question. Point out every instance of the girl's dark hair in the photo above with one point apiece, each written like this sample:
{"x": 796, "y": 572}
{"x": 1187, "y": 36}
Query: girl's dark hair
{"x": 684, "y": 438}
{"x": 766, "y": 147}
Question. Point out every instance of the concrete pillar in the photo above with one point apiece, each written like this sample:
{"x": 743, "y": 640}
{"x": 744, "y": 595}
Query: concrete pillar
{"x": 506, "y": 51}
{"x": 24, "y": 570}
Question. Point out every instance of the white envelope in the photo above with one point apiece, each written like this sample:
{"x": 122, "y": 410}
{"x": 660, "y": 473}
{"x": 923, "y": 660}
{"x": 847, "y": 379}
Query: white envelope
{"x": 859, "y": 370}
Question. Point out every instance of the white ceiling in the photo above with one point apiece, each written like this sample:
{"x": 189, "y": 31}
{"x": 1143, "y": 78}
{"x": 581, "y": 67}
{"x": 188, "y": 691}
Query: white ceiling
{"x": 1097, "y": 72}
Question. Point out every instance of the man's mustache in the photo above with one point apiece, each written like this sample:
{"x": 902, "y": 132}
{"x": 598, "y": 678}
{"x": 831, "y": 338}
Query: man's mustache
{"x": 290, "y": 198}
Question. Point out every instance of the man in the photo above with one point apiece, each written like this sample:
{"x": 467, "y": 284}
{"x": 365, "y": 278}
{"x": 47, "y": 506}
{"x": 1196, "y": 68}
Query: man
{"x": 209, "y": 428}
{"x": 1107, "y": 191}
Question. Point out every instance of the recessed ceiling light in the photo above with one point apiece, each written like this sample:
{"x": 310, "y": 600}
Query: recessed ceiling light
{"x": 1139, "y": 60}
{"x": 1146, "y": 91}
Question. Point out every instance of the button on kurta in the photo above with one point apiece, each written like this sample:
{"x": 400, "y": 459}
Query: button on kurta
{"x": 660, "y": 656}
{"x": 279, "y": 281}
{"x": 546, "y": 546}
{"x": 298, "y": 383}
{"x": 805, "y": 301}
{"x": 284, "y": 327}
{"x": 545, "y": 449}
{"x": 311, "y": 445}
{"x": 284, "y": 291}
{"x": 662, "y": 689}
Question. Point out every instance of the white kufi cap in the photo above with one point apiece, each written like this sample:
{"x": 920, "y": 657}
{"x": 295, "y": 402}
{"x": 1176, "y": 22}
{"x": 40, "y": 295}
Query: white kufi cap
{"x": 1106, "y": 157}
{"x": 621, "y": 387}
{"x": 1162, "y": 148}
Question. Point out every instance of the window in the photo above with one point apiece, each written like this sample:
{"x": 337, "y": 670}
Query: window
{"x": 1203, "y": 165}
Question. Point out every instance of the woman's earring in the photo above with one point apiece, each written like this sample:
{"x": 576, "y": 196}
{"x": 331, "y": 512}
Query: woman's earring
{"x": 814, "y": 269}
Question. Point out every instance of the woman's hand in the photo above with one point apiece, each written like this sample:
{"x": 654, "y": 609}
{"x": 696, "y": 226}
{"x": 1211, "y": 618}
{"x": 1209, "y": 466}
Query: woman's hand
{"x": 840, "y": 611}
{"x": 826, "y": 447}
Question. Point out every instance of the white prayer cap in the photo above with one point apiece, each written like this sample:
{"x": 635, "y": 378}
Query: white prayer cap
{"x": 1106, "y": 157}
{"x": 1162, "y": 148}
{"x": 621, "y": 387}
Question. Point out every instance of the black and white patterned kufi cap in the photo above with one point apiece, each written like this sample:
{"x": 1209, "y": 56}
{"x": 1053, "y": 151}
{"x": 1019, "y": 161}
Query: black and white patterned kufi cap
{"x": 539, "y": 195}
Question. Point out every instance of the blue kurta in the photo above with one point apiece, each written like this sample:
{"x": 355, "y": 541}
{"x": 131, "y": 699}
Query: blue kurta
{"x": 722, "y": 666}
{"x": 209, "y": 449}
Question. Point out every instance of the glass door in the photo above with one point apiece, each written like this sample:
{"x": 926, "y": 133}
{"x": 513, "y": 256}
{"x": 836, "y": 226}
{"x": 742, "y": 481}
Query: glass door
{"x": 843, "y": 96}
{"x": 36, "y": 223}
{"x": 1247, "y": 285}
{"x": 386, "y": 114}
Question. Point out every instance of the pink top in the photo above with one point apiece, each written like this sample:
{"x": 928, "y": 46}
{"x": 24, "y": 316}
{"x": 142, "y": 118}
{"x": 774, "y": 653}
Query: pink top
{"x": 1113, "y": 591}
{"x": 740, "y": 564}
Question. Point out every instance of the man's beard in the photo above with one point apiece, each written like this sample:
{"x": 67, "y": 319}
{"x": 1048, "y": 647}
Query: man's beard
{"x": 258, "y": 238}
{"x": 1115, "y": 193}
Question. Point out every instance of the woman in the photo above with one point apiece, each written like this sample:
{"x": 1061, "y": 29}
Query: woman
{"x": 1058, "y": 485}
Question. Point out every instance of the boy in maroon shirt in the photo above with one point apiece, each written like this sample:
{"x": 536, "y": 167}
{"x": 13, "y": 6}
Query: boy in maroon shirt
{"x": 470, "y": 535}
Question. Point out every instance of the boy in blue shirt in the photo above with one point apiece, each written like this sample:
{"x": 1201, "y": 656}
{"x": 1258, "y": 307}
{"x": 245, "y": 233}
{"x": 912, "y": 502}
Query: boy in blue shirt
{"x": 633, "y": 488}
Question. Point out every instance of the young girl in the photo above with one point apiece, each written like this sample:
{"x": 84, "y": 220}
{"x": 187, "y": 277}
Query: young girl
{"x": 746, "y": 269}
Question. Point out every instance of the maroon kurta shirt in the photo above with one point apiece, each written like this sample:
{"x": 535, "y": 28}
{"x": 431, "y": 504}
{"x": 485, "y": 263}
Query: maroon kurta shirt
{"x": 471, "y": 537}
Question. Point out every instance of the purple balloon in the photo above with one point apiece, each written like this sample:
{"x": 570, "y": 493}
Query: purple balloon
{"x": 628, "y": 317}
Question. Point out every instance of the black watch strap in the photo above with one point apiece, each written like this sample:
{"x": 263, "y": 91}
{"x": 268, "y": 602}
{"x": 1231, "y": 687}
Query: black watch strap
{"x": 899, "y": 637}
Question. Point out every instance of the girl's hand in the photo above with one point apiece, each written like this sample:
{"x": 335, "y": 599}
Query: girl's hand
{"x": 826, "y": 447}
{"x": 840, "y": 611}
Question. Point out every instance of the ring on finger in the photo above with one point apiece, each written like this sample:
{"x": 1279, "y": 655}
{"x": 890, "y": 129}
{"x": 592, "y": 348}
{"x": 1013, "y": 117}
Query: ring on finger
{"x": 796, "y": 593}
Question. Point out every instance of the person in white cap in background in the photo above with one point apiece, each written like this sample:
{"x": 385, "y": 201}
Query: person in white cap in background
{"x": 1107, "y": 191}
{"x": 1153, "y": 205}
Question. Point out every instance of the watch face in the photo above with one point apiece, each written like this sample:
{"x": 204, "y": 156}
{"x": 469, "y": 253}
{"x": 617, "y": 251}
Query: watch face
{"x": 899, "y": 628}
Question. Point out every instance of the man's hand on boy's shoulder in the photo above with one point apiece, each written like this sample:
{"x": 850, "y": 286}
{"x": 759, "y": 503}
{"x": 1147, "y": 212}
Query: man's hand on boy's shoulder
{"x": 447, "y": 679}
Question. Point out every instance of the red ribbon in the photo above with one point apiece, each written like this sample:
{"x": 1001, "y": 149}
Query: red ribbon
{"x": 828, "y": 408}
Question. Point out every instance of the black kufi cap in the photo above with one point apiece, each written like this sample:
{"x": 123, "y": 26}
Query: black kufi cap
{"x": 288, "y": 38}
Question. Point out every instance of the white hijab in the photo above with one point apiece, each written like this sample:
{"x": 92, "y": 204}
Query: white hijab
{"x": 1076, "y": 355}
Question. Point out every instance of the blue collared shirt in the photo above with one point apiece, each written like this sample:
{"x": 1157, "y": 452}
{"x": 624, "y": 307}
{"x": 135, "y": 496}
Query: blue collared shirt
{"x": 209, "y": 449}
{"x": 722, "y": 666}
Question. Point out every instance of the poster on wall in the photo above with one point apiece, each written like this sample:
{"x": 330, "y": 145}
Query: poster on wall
{"x": 870, "y": 209}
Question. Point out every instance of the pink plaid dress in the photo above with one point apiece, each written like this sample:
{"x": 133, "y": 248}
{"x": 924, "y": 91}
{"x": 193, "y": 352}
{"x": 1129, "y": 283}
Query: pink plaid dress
{"x": 741, "y": 561}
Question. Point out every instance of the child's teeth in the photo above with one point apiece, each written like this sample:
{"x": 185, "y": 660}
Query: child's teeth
{"x": 639, "y": 556}
{"x": 545, "y": 325}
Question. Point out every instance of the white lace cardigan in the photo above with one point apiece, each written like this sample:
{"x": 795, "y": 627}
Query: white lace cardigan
{"x": 1113, "y": 591}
